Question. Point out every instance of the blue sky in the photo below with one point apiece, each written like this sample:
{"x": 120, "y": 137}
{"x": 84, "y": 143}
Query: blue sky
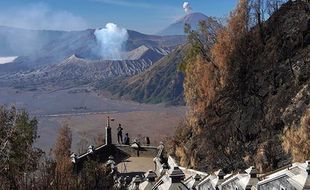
{"x": 147, "y": 16}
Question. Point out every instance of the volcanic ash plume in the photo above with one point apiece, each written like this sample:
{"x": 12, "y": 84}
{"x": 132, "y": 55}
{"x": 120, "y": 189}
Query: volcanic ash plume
{"x": 111, "y": 40}
{"x": 187, "y": 7}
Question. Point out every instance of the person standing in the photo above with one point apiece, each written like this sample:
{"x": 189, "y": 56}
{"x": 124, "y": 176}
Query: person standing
{"x": 126, "y": 139}
{"x": 147, "y": 140}
{"x": 120, "y": 134}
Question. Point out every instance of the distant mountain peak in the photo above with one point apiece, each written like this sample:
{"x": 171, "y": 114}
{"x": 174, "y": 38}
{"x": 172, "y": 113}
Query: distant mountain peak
{"x": 73, "y": 57}
{"x": 177, "y": 28}
{"x": 193, "y": 19}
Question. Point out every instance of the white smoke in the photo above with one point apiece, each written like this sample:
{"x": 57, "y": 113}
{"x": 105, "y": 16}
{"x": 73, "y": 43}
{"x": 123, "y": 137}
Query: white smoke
{"x": 41, "y": 16}
{"x": 187, "y": 7}
{"x": 111, "y": 40}
{"x": 34, "y": 16}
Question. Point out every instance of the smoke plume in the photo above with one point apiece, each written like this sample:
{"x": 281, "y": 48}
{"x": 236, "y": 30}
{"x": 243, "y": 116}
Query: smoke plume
{"x": 111, "y": 40}
{"x": 187, "y": 7}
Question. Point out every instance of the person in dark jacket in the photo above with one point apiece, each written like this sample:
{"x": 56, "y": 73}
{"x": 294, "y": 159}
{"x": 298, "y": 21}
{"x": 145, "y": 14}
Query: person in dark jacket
{"x": 126, "y": 139}
{"x": 147, "y": 140}
{"x": 120, "y": 134}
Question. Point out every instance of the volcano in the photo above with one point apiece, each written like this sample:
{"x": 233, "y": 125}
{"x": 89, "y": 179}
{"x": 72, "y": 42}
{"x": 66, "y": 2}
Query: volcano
{"x": 192, "y": 19}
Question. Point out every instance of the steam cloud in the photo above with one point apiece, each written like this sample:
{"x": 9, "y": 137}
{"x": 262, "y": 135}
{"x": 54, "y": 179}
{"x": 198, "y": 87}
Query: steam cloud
{"x": 35, "y": 16}
{"x": 111, "y": 40}
{"x": 40, "y": 16}
{"x": 187, "y": 7}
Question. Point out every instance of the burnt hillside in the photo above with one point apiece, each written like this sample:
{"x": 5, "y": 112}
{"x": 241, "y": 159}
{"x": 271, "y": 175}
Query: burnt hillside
{"x": 266, "y": 88}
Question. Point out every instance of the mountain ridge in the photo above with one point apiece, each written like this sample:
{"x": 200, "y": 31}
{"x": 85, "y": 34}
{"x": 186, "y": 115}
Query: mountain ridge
{"x": 148, "y": 72}
{"x": 160, "y": 83}
{"x": 51, "y": 47}
{"x": 193, "y": 19}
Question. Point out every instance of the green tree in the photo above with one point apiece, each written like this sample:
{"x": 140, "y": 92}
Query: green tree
{"x": 18, "y": 132}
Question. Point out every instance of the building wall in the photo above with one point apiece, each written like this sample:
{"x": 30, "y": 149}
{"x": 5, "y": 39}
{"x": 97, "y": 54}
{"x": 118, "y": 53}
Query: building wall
{"x": 101, "y": 155}
{"x": 158, "y": 167}
{"x": 206, "y": 186}
{"x": 277, "y": 185}
{"x": 233, "y": 185}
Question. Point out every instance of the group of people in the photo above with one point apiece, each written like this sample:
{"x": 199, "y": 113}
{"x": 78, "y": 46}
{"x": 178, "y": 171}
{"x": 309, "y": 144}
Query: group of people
{"x": 120, "y": 139}
{"x": 126, "y": 139}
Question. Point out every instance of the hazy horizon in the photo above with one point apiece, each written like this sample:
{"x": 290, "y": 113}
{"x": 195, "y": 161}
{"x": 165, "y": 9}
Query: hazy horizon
{"x": 74, "y": 15}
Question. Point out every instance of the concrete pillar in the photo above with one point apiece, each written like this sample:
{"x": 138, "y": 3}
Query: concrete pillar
{"x": 108, "y": 132}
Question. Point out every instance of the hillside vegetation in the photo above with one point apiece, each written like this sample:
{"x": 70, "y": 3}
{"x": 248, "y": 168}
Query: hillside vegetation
{"x": 160, "y": 83}
{"x": 23, "y": 166}
{"x": 246, "y": 90}
{"x": 163, "y": 81}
